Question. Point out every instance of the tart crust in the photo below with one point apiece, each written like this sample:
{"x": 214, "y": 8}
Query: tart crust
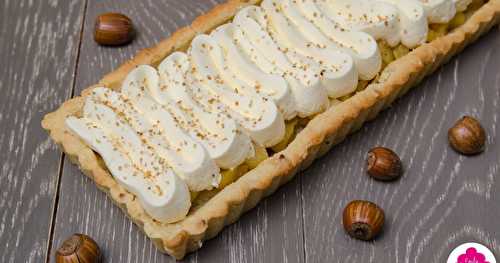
{"x": 320, "y": 134}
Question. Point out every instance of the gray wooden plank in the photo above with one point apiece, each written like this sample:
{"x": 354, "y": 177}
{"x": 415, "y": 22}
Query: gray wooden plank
{"x": 270, "y": 233}
{"x": 444, "y": 199}
{"x": 39, "y": 42}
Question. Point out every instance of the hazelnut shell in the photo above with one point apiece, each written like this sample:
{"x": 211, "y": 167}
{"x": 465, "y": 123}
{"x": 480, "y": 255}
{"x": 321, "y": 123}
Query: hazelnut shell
{"x": 112, "y": 29}
{"x": 467, "y": 136}
{"x": 384, "y": 164}
{"x": 79, "y": 248}
{"x": 363, "y": 219}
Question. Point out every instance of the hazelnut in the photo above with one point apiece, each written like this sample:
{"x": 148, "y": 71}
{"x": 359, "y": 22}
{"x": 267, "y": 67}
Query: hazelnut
{"x": 363, "y": 219}
{"x": 78, "y": 248}
{"x": 383, "y": 164}
{"x": 113, "y": 29}
{"x": 467, "y": 136}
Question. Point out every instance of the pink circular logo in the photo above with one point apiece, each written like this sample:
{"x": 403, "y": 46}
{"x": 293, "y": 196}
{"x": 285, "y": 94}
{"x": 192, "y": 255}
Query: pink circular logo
{"x": 472, "y": 256}
{"x": 471, "y": 253}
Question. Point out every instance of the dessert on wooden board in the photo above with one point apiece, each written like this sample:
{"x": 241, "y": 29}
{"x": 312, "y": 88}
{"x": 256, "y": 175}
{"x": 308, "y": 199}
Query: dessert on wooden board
{"x": 191, "y": 133}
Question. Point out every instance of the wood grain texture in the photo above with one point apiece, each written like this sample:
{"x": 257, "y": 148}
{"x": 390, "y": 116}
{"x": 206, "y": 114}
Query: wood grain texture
{"x": 270, "y": 233}
{"x": 34, "y": 36}
{"x": 444, "y": 199}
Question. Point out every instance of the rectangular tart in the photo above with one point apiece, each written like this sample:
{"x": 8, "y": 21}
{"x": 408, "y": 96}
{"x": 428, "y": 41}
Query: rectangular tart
{"x": 323, "y": 131}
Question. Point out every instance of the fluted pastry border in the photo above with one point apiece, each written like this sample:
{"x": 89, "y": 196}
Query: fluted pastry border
{"x": 320, "y": 134}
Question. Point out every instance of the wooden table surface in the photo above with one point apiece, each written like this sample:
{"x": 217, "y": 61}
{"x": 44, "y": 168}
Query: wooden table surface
{"x": 443, "y": 199}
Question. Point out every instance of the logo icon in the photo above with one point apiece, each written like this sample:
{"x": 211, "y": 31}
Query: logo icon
{"x": 471, "y": 253}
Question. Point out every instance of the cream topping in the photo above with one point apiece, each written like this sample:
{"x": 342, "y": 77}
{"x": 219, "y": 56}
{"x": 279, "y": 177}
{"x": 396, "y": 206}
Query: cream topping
{"x": 304, "y": 79}
{"x": 217, "y": 132}
{"x": 187, "y": 156}
{"x": 269, "y": 85}
{"x": 461, "y": 5}
{"x": 413, "y": 27}
{"x": 257, "y": 115}
{"x": 439, "y": 11}
{"x": 379, "y": 19}
{"x": 158, "y": 129}
{"x": 161, "y": 193}
{"x": 360, "y": 45}
{"x": 338, "y": 73}
{"x": 394, "y": 21}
